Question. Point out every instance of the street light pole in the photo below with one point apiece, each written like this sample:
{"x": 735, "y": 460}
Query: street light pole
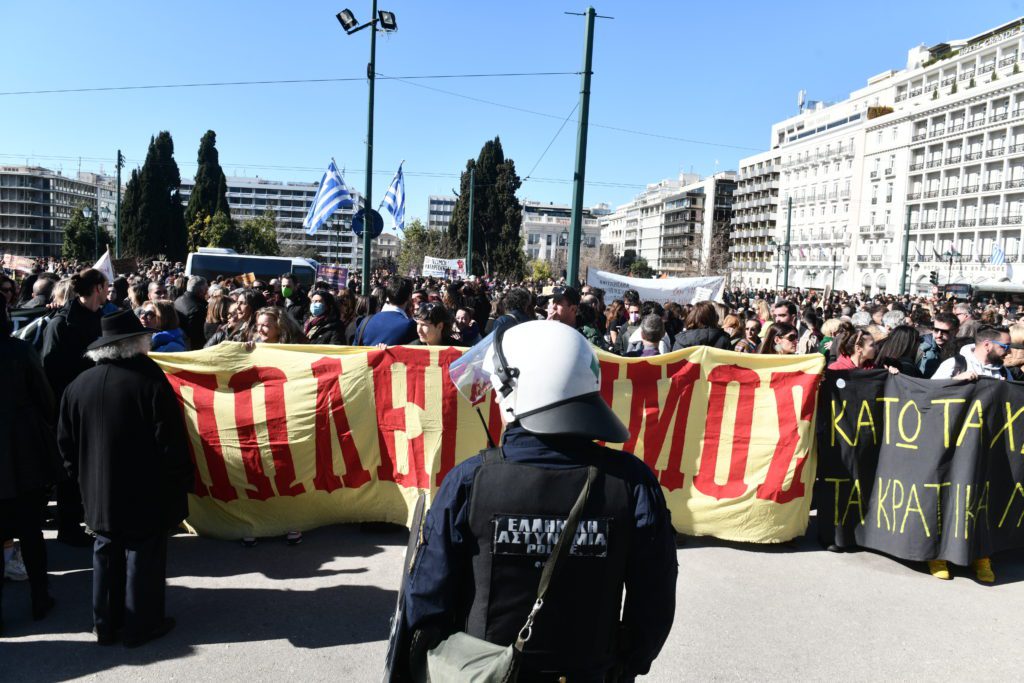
{"x": 906, "y": 253}
{"x": 117, "y": 216}
{"x": 368, "y": 196}
{"x": 576, "y": 220}
{"x": 833, "y": 269}
{"x": 785, "y": 247}
{"x": 469, "y": 240}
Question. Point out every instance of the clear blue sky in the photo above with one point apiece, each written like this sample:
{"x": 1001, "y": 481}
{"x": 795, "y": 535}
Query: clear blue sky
{"x": 716, "y": 72}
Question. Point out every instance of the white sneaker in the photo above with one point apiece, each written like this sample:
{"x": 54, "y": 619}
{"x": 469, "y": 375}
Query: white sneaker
{"x": 14, "y": 567}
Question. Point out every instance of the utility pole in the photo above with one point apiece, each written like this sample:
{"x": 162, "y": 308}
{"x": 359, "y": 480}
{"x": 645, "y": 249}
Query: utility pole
{"x": 579, "y": 177}
{"x": 785, "y": 247}
{"x": 906, "y": 253}
{"x": 371, "y": 72}
{"x": 117, "y": 216}
{"x": 469, "y": 240}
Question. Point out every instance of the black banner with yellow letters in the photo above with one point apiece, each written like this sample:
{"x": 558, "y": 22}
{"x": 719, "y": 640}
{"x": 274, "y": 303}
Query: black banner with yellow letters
{"x": 920, "y": 469}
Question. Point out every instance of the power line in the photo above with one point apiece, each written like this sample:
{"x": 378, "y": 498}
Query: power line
{"x": 283, "y": 81}
{"x": 556, "y": 117}
{"x": 557, "y": 133}
{"x": 310, "y": 169}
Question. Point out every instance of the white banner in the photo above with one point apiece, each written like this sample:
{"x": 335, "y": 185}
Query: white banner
{"x": 683, "y": 290}
{"x": 444, "y": 267}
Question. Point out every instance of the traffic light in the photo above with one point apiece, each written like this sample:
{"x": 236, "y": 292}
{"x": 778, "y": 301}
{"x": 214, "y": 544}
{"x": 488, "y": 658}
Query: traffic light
{"x": 934, "y": 277}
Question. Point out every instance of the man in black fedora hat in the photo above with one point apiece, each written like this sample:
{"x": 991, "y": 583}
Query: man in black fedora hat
{"x": 122, "y": 437}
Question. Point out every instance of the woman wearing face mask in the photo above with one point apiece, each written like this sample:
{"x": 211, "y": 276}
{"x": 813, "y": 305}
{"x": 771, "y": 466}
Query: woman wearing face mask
{"x": 323, "y": 325}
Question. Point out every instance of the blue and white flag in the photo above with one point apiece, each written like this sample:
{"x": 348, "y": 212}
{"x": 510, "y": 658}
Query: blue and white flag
{"x": 332, "y": 194}
{"x": 998, "y": 255}
{"x": 394, "y": 199}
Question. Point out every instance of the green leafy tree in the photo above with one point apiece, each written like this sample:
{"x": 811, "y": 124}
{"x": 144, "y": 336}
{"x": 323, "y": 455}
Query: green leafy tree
{"x": 153, "y": 222}
{"x": 196, "y": 231}
{"x": 640, "y": 268}
{"x": 79, "y": 237}
{"x": 223, "y": 232}
{"x": 419, "y": 241}
{"x": 540, "y": 270}
{"x": 259, "y": 235}
{"x": 497, "y": 214}
{"x": 209, "y": 195}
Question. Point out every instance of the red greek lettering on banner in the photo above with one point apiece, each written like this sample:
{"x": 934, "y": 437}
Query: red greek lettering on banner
{"x": 449, "y": 414}
{"x": 203, "y": 388}
{"x": 782, "y": 384}
{"x": 391, "y": 419}
{"x": 330, "y": 405}
{"x": 720, "y": 378}
{"x": 273, "y": 380}
{"x": 645, "y": 411}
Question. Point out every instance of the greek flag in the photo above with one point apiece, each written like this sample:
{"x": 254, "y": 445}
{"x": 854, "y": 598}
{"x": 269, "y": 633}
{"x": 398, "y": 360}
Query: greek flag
{"x": 394, "y": 199}
{"x": 332, "y": 193}
{"x": 998, "y": 255}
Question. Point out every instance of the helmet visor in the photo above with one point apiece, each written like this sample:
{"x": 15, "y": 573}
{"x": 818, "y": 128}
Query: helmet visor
{"x": 468, "y": 373}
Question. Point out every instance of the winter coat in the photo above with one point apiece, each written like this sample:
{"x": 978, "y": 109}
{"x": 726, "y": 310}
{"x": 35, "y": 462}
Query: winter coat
{"x": 329, "y": 332}
{"x": 67, "y": 335}
{"x": 122, "y": 437}
{"x": 29, "y": 460}
{"x": 169, "y": 341}
{"x": 192, "y": 318}
{"x": 703, "y": 336}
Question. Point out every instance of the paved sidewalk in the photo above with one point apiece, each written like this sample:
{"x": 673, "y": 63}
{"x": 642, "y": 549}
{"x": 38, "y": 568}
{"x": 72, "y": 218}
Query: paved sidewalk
{"x": 320, "y": 610}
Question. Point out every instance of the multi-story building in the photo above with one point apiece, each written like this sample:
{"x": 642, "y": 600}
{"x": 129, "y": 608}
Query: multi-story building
{"x": 35, "y": 206}
{"x": 934, "y": 150}
{"x": 950, "y": 158}
{"x": 753, "y": 260}
{"x": 680, "y": 227}
{"x": 439, "y": 211}
{"x": 545, "y": 229}
{"x": 334, "y": 242}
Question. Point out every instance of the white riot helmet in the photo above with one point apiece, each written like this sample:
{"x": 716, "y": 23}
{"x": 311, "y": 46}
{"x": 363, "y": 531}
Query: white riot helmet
{"x": 547, "y": 377}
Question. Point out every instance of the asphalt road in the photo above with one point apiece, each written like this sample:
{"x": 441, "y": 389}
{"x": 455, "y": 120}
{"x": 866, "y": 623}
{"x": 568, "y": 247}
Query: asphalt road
{"x": 320, "y": 610}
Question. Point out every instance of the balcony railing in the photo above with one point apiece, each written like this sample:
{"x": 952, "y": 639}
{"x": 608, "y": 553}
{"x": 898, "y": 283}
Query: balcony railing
{"x": 965, "y": 75}
{"x": 990, "y": 220}
{"x": 967, "y": 222}
{"x": 972, "y": 156}
{"x": 946, "y": 224}
{"x": 1019, "y": 182}
{"x": 950, "y": 191}
{"x": 911, "y": 196}
{"x": 930, "y": 194}
{"x": 874, "y": 174}
{"x": 953, "y": 160}
{"x": 969, "y": 189}
{"x": 929, "y": 225}
{"x": 985, "y": 68}
{"x": 889, "y": 171}
{"x": 1016, "y": 148}
{"x": 934, "y": 162}
{"x": 1007, "y": 61}
{"x": 901, "y": 97}
{"x": 1012, "y": 220}
{"x": 938, "y": 131}
{"x": 956, "y": 128}
{"x": 989, "y": 187}
{"x": 949, "y": 80}
{"x": 919, "y": 137}
{"x": 995, "y": 151}
{"x": 916, "y": 167}
{"x": 999, "y": 117}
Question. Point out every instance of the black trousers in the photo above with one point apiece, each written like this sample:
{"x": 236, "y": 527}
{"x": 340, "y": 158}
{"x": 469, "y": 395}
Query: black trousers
{"x": 128, "y": 584}
{"x": 70, "y": 512}
{"x": 22, "y": 518}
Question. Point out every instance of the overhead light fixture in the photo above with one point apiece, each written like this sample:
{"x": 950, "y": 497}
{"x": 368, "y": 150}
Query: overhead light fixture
{"x": 347, "y": 20}
{"x": 387, "y": 21}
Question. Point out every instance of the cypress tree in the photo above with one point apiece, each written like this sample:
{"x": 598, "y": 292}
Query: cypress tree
{"x": 497, "y": 214}
{"x": 210, "y": 194}
{"x": 154, "y": 223}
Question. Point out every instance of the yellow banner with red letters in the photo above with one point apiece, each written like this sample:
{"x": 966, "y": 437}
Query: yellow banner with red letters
{"x": 289, "y": 438}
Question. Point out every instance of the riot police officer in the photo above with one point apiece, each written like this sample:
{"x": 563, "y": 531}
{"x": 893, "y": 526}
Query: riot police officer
{"x": 496, "y": 517}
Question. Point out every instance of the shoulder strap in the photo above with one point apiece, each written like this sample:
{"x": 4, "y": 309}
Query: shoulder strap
{"x": 492, "y": 455}
{"x": 358, "y": 341}
{"x": 959, "y": 364}
{"x": 565, "y": 540}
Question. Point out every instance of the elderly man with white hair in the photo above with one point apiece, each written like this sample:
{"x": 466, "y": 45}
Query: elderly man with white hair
{"x": 122, "y": 437}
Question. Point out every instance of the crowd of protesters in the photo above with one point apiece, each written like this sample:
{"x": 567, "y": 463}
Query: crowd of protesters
{"x": 914, "y": 336}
